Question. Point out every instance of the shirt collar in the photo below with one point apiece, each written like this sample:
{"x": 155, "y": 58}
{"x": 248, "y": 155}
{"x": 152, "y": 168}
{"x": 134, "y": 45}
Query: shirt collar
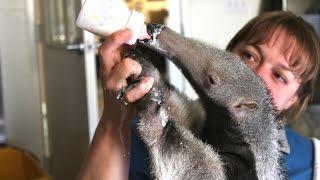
{"x": 283, "y": 142}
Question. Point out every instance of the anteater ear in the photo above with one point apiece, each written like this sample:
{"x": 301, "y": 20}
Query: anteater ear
{"x": 244, "y": 105}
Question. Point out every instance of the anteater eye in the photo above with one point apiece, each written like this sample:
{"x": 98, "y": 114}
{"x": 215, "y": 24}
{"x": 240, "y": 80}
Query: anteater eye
{"x": 213, "y": 79}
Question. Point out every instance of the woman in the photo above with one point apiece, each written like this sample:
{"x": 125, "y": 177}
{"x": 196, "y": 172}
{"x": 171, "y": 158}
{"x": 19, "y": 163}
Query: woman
{"x": 284, "y": 51}
{"x": 280, "y": 47}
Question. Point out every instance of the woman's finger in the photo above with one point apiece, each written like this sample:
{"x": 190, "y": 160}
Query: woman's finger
{"x": 141, "y": 89}
{"x": 110, "y": 50}
{"x": 125, "y": 69}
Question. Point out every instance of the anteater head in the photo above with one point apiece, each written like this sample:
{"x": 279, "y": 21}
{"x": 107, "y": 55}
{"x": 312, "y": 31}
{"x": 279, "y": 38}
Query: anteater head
{"x": 220, "y": 79}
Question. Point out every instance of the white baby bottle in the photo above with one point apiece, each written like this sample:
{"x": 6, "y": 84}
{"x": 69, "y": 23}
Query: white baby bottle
{"x": 103, "y": 17}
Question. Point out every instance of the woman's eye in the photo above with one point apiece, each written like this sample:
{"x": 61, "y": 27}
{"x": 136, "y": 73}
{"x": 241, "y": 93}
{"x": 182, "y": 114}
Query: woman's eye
{"x": 280, "y": 78}
{"x": 247, "y": 57}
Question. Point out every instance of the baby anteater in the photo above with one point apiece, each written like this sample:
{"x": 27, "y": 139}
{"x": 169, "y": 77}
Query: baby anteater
{"x": 230, "y": 133}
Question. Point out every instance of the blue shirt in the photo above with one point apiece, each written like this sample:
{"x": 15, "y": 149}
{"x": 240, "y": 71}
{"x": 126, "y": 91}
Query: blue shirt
{"x": 299, "y": 163}
{"x": 140, "y": 161}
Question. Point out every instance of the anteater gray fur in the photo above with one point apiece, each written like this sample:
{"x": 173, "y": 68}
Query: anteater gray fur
{"x": 231, "y": 133}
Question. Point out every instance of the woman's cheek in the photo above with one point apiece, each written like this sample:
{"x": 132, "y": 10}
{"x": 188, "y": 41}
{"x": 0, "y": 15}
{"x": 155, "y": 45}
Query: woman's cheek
{"x": 277, "y": 99}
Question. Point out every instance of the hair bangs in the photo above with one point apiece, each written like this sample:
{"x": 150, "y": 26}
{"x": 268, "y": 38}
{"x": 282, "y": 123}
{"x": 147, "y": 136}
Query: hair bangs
{"x": 303, "y": 53}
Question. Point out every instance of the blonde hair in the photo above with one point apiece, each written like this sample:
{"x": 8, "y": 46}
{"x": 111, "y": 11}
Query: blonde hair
{"x": 305, "y": 47}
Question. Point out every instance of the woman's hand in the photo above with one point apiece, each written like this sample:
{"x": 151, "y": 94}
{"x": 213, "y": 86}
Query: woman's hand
{"x": 114, "y": 72}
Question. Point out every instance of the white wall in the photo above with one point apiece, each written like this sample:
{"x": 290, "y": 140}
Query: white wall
{"x": 20, "y": 78}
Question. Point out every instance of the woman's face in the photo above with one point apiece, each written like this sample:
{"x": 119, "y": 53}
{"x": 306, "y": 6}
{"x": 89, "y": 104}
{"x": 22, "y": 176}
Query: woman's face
{"x": 270, "y": 61}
